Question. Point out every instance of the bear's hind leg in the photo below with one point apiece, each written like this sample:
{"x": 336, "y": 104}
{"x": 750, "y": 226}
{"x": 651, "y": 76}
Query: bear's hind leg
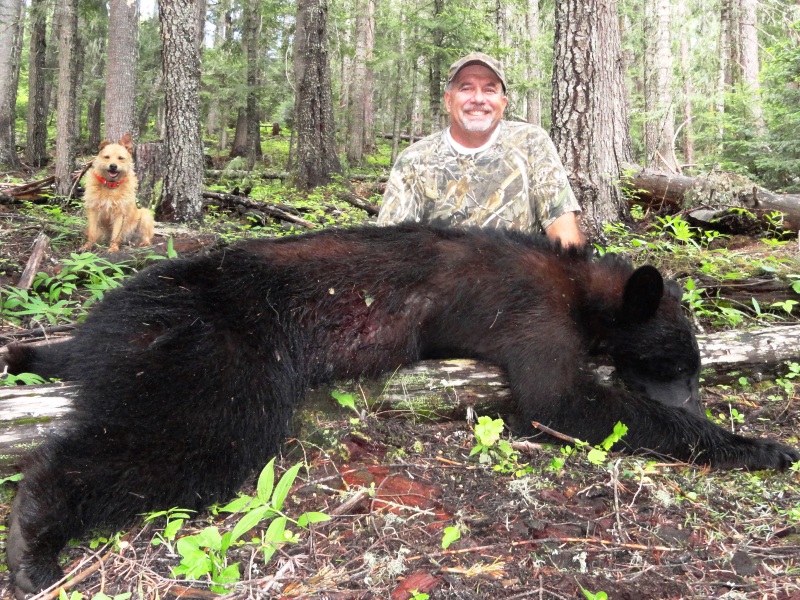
{"x": 42, "y": 520}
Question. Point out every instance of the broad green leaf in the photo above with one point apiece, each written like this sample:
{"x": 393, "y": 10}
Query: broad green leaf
{"x": 597, "y": 456}
{"x": 284, "y": 485}
{"x": 239, "y": 505}
{"x": 266, "y": 481}
{"x": 451, "y": 534}
{"x": 273, "y": 537}
{"x": 312, "y": 517}
{"x": 346, "y": 400}
{"x": 248, "y": 521}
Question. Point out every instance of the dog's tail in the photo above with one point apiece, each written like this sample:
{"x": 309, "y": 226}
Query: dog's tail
{"x": 45, "y": 361}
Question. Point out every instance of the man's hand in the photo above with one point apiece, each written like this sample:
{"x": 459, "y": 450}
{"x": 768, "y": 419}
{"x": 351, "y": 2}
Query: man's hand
{"x": 566, "y": 229}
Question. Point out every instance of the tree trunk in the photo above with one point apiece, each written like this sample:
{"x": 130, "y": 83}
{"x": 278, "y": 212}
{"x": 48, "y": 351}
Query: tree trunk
{"x": 361, "y": 91}
{"x": 317, "y": 160}
{"x": 150, "y": 172}
{"x": 10, "y": 32}
{"x": 659, "y": 126}
{"x": 590, "y": 112}
{"x": 723, "y": 68}
{"x": 181, "y": 198}
{"x": 533, "y": 96}
{"x": 67, "y": 11}
{"x": 123, "y": 39}
{"x": 686, "y": 92}
{"x": 252, "y": 19}
{"x": 748, "y": 58}
{"x": 239, "y": 147}
{"x": 36, "y": 146}
{"x": 435, "y": 68}
{"x": 397, "y": 102}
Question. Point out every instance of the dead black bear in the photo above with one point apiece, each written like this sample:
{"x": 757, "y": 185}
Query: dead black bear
{"x": 189, "y": 374}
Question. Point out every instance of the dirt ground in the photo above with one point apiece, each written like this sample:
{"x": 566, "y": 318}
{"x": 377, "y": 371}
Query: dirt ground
{"x": 632, "y": 528}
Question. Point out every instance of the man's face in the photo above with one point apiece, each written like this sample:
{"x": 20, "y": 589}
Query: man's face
{"x": 475, "y": 103}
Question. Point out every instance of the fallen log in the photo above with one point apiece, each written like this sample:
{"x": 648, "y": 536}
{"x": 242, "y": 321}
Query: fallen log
{"x": 660, "y": 189}
{"x": 271, "y": 210}
{"x": 428, "y": 390}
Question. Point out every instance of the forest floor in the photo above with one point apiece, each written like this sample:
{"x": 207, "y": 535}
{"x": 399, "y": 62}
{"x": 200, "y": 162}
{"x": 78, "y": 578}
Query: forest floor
{"x": 530, "y": 527}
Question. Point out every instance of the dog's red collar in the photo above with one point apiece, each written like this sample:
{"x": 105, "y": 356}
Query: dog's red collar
{"x": 108, "y": 184}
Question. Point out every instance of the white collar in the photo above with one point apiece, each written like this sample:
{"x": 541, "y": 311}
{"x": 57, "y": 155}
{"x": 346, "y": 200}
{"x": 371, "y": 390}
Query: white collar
{"x": 463, "y": 149}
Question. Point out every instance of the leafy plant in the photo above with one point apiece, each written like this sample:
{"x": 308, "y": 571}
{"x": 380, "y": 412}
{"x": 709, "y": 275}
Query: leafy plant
{"x": 596, "y": 455}
{"x": 489, "y": 445}
{"x": 175, "y": 517}
{"x": 348, "y": 401}
{"x": 599, "y": 454}
{"x": 205, "y": 553}
{"x": 65, "y": 296}
{"x": 21, "y": 379}
{"x": 594, "y": 596}
{"x": 451, "y": 534}
{"x": 268, "y": 504}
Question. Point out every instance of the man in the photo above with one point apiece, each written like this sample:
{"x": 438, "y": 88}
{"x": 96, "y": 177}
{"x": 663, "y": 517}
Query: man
{"x": 482, "y": 170}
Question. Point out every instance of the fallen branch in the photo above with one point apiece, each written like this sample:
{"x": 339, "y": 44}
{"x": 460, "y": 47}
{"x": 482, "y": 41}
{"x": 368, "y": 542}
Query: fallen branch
{"x": 271, "y": 210}
{"x": 40, "y": 246}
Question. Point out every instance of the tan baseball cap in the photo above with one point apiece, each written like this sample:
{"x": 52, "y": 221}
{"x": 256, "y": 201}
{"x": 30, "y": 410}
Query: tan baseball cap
{"x": 477, "y": 58}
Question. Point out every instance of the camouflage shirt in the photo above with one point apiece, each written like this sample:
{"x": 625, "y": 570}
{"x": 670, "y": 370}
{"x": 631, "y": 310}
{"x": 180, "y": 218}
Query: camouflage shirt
{"x": 516, "y": 181}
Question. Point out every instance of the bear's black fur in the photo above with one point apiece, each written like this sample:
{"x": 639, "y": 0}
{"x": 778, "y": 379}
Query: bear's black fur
{"x": 189, "y": 373}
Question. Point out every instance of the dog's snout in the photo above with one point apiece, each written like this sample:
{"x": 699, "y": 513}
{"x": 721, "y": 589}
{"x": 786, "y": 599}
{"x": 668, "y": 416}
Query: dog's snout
{"x": 112, "y": 167}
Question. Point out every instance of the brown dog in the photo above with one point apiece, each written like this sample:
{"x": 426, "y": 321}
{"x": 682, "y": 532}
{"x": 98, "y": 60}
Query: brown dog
{"x": 110, "y": 199}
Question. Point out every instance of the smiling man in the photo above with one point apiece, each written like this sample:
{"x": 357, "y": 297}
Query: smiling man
{"x": 482, "y": 171}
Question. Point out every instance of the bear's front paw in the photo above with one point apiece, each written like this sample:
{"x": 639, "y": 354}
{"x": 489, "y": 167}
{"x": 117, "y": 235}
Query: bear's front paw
{"x": 765, "y": 454}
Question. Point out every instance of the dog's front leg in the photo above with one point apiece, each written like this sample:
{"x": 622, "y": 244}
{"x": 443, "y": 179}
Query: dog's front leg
{"x": 116, "y": 234}
{"x": 93, "y": 232}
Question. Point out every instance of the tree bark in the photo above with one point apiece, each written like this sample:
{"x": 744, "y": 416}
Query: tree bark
{"x": 150, "y": 172}
{"x": 239, "y": 147}
{"x": 361, "y": 91}
{"x": 317, "y": 160}
{"x": 748, "y": 58}
{"x": 590, "y": 112}
{"x": 67, "y": 11}
{"x": 252, "y": 28}
{"x": 123, "y": 42}
{"x": 659, "y": 128}
{"x": 181, "y": 199}
{"x": 686, "y": 93}
{"x": 533, "y": 96}
{"x": 10, "y": 33}
{"x": 36, "y": 145}
{"x": 435, "y": 68}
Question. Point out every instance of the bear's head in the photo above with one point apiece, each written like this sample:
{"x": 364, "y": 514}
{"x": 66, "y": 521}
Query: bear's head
{"x": 652, "y": 342}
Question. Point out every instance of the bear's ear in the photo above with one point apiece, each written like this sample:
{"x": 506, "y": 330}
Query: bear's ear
{"x": 642, "y": 295}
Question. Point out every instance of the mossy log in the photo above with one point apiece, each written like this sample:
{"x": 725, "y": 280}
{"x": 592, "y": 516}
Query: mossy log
{"x": 428, "y": 390}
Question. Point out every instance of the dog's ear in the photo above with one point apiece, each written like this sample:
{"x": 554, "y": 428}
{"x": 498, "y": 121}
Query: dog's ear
{"x": 103, "y": 144}
{"x": 126, "y": 142}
